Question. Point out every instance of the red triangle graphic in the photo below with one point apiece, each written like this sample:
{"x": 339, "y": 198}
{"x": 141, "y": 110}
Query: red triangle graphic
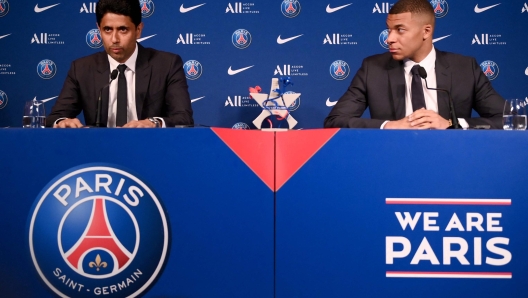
{"x": 294, "y": 148}
{"x": 255, "y": 148}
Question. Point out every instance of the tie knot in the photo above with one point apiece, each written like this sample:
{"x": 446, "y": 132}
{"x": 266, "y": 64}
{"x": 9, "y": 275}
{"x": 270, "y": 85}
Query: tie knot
{"x": 414, "y": 69}
{"x": 121, "y": 68}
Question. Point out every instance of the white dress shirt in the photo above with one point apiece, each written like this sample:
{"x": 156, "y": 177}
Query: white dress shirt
{"x": 431, "y": 100}
{"x": 130, "y": 75}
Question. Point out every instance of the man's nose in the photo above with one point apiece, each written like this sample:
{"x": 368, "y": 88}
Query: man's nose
{"x": 115, "y": 37}
{"x": 391, "y": 38}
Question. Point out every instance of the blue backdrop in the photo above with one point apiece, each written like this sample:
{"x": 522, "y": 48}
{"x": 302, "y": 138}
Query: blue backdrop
{"x": 301, "y": 40}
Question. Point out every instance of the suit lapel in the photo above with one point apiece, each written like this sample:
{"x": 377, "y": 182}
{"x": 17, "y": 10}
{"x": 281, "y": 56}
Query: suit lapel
{"x": 101, "y": 78}
{"x": 397, "y": 85}
{"x": 443, "y": 81}
{"x": 143, "y": 71}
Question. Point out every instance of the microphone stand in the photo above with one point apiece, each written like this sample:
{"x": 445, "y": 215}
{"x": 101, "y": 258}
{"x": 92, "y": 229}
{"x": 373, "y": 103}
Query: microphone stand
{"x": 113, "y": 76}
{"x": 454, "y": 119}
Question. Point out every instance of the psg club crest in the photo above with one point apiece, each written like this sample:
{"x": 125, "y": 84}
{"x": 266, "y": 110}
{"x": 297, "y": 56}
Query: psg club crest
{"x": 339, "y": 70}
{"x": 193, "y": 69}
{"x": 93, "y": 39}
{"x": 98, "y": 230}
{"x": 490, "y": 69}
{"x": 290, "y": 8}
{"x": 384, "y": 35}
{"x": 4, "y": 7}
{"x": 440, "y": 8}
{"x": 147, "y": 8}
{"x": 46, "y": 69}
{"x": 3, "y": 99}
{"x": 241, "y": 38}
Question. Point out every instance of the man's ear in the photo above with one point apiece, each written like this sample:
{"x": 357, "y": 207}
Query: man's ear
{"x": 427, "y": 31}
{"x": 139, "y": 29}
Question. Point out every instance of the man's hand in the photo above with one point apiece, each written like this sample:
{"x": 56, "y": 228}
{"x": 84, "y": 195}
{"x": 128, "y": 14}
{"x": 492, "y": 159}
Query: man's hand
{"x": 420, "y": 119}
{"x": 427, "y": 119}
{"x": 140, "y": 123}
{"x": 403, "y": 123}
{"x": 68, "y": 123}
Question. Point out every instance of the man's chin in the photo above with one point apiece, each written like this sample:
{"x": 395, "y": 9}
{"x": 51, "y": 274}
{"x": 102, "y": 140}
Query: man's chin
{"x": 116, "y": 57}
{"x": 397, "y": 56}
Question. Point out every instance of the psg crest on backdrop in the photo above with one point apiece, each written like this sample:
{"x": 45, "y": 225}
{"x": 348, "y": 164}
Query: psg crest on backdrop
{"x": 147, "y": 8}
{"x": 4, "y": 7}
{"x": 339, "y": 70}
{"x": 93, "y": 39}
{"x": 96, "y": 230}
{"x": 3, "y": 99}
{"x": 192, "y": 69}
{"x": 46, "y": 69}
{"x": 440, "y": 8}
{"x": 291, "y": 8}
{"x": 490, "y": 69}
{"x": 384, "y": 35}
{"x": 241, "y": 38}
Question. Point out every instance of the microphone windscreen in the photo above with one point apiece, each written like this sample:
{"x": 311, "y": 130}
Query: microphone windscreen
{"x": 113, "y": 76}
{"x": 422, "y": 72}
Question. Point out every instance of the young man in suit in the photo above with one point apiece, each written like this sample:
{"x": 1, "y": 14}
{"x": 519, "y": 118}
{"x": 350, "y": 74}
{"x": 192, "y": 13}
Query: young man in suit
{"x": 390, "y": 86}
{"x": 149, "y": 91}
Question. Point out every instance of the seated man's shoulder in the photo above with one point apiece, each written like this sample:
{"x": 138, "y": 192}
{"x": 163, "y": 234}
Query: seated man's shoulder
{"x": 379, "y": 59}
{"x": 450, "y": 56}
{"x": 157, "y": 54}
{"x": 99, "y": 56}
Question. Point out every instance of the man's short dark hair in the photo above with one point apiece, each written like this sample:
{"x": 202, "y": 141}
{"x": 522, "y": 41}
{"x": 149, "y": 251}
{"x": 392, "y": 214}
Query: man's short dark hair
{"x": 414, "y": 7}
{"x": 129, "y": 8}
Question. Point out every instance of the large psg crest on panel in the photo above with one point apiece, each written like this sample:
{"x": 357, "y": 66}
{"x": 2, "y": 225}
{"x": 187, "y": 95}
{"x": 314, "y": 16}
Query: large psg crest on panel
{"x": 98, "y": 230}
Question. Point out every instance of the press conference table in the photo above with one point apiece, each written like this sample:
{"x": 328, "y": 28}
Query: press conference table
{"x": 309, "y": 213}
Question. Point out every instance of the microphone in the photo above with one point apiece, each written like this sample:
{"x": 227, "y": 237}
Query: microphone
{"x": 113, "y": 76}
{"x": 454, "y": 119}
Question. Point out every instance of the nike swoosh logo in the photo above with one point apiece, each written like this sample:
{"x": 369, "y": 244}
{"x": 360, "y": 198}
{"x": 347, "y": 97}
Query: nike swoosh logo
{"x": 526, "y": 71}
{"x": 234, "y": 72}
{"x": 281, "y": 41}
{"x": 145, "y": 38}
{"x": 331, "y": 10}
{"x": 440, "y": 38}
{"x": 184, "y": 10}
{"x": 479, "y": 10}
{"x": 330, "y": 103}
{"x": 48, "y": 99}
{"x": 41, "y": 9}
{"x": 5, "y": 35}
{"x": 196, "y": 99}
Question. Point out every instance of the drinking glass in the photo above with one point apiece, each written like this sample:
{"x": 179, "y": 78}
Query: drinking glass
{"x": 34, "y": 114}
{"x": 514, "y": 115}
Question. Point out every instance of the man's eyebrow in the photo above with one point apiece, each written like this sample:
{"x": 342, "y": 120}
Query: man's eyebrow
{"x": 397, "y": 25}
{"x": 118, "y": 28}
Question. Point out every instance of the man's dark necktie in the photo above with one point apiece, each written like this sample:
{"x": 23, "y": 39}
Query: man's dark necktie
{"x": 417, "y": 94}
{"x": 121, "y": 118}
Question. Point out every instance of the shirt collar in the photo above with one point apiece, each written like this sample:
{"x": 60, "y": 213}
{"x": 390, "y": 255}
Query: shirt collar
{"x": 427, "y": 63}
{"x": 130, "y": 63}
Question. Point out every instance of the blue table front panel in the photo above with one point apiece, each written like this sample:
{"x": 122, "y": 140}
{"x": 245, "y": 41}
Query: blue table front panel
{"x": 332, "y": 219}
{"x": 220, "y": 213}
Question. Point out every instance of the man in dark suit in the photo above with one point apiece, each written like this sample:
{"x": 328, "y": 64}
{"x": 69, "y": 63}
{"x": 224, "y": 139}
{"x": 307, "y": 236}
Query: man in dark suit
{"x": 390, "y": 86}
{"x": 150, "y": 90}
